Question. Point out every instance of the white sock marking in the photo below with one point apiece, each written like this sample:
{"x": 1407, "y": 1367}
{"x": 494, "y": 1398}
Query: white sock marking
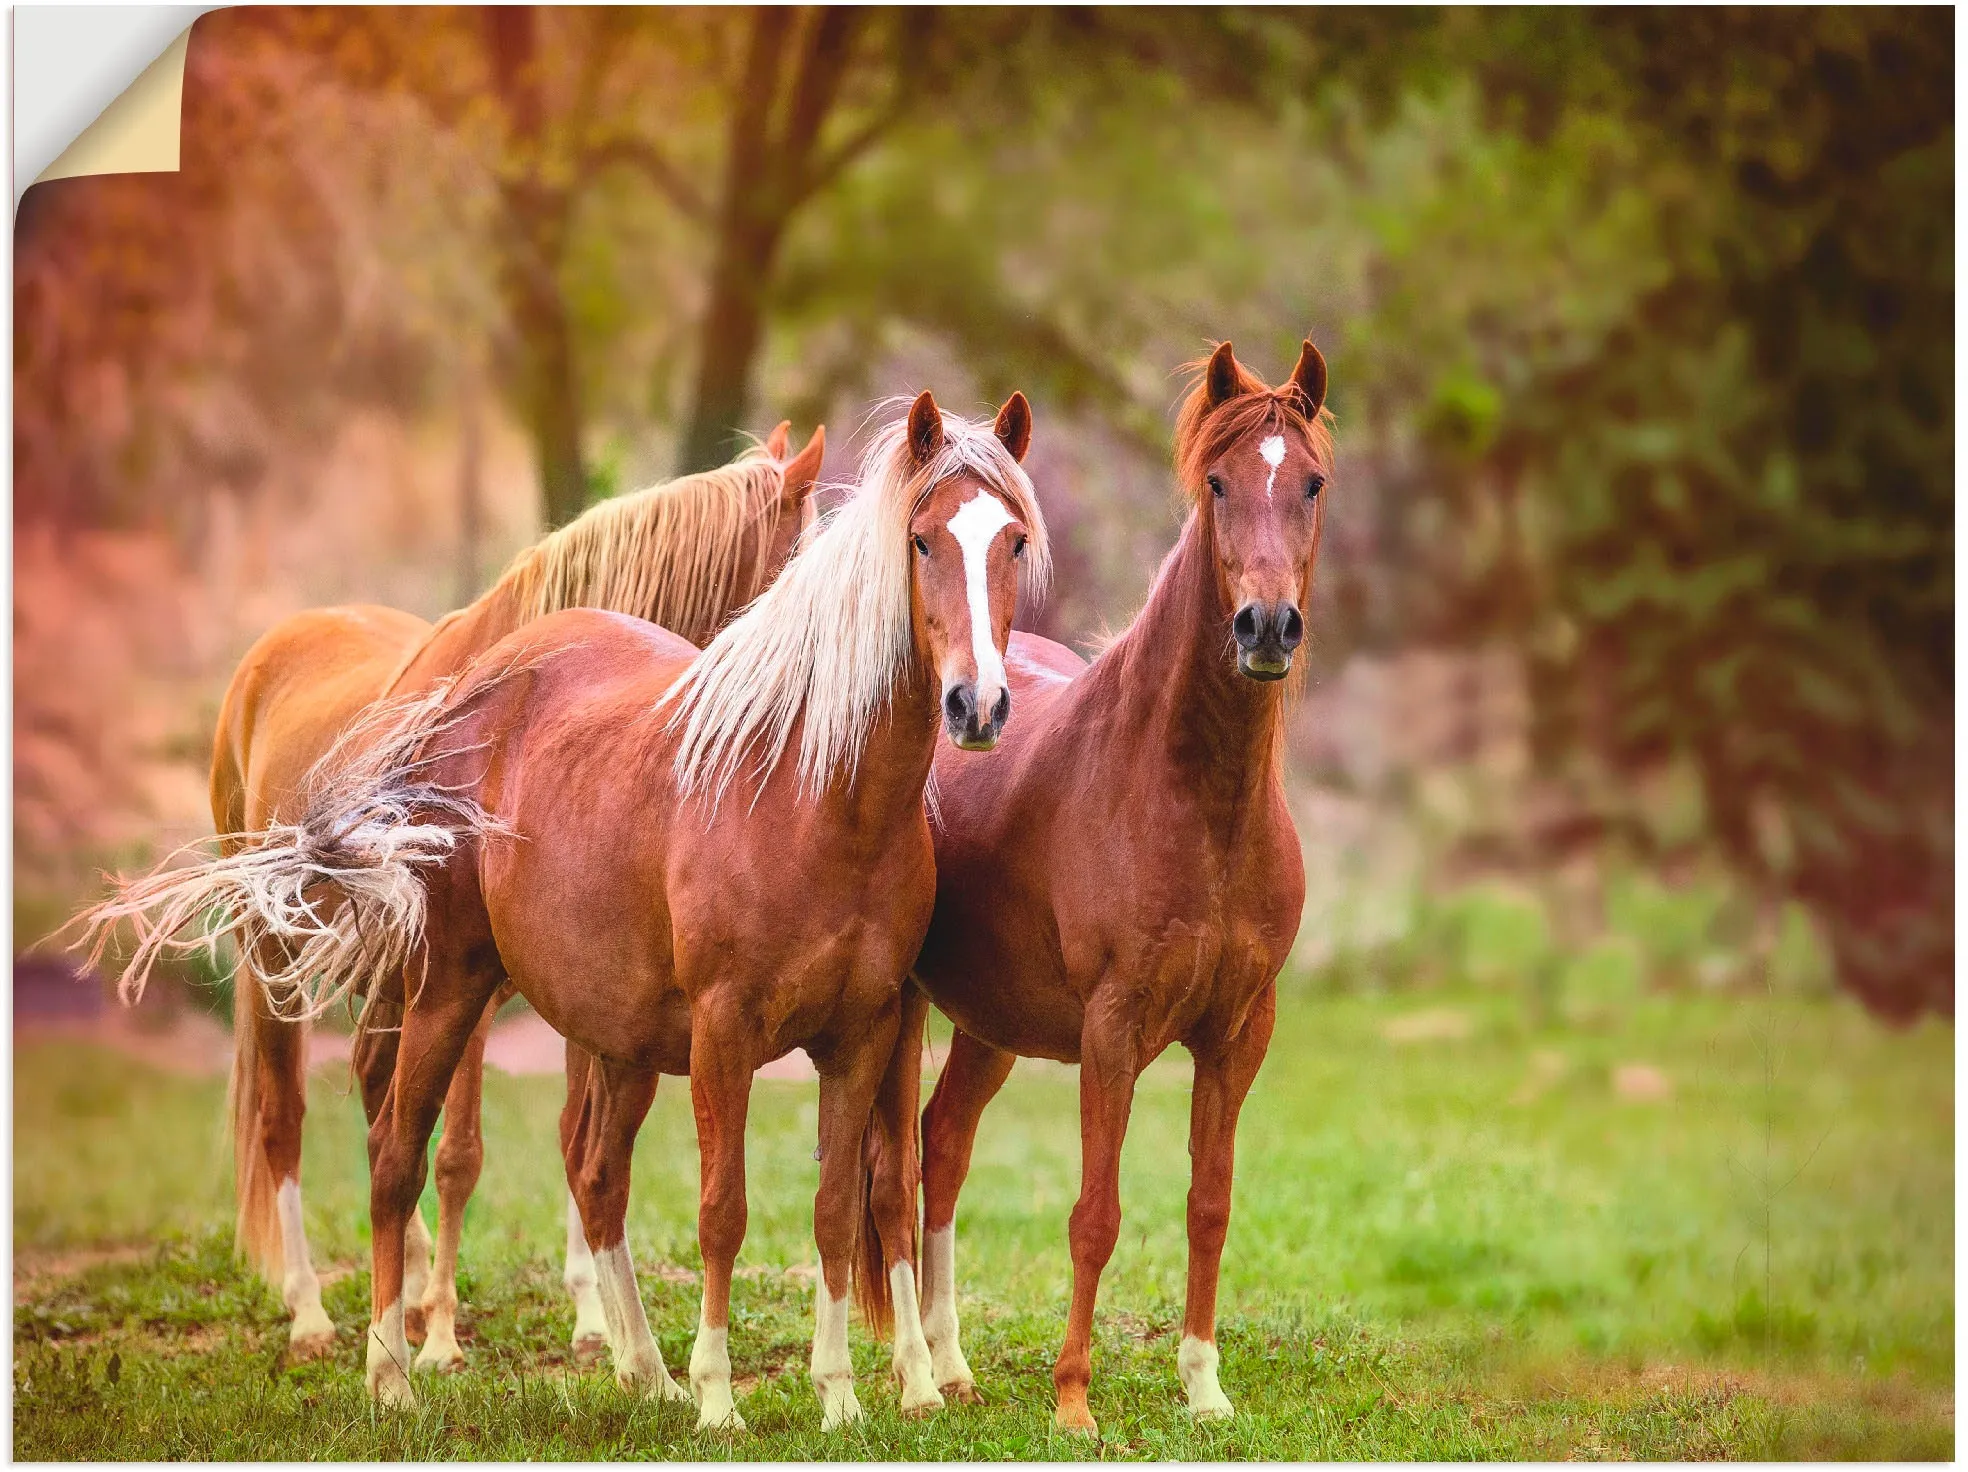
{"x": 590, "y": 1322}
{"x": 976, "y": 524}
{"x": 387, "y": 1364}
{"x": 1273, "y": 451}
{"x": 1195, "y": 1363}
{"x": 911, "y": 1362}
{"x": 638, "y": 1362}
{"x": 833, "y": 1371}
{"x": 946, "y": 1356}
{"x": 300, "y": 1289}
{"x": 710, "y": 1377}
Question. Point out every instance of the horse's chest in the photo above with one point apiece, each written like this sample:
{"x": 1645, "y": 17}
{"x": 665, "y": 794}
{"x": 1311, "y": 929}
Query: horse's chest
{"x": 1202, "y": 932}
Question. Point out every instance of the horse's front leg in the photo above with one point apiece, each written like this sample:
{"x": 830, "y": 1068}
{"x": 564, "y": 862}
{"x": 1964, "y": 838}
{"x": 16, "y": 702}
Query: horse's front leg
{"x": 1110, "y": 1061}
{"x": 598, "y": 1176}
{"x": 723, "y": 1053}
{"x": 1224, "y": 1070}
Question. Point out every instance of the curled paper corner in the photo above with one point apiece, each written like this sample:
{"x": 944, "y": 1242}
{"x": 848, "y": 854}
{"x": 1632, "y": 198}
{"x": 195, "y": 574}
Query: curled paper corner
{"x": 138, "y": 132}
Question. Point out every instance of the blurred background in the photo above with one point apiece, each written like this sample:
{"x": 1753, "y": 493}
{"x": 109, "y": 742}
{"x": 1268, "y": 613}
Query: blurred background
{"x": 1619, "y": 1028}
{"x": 1632, "y": 659}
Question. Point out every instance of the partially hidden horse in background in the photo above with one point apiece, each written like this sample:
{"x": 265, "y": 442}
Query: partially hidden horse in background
{"x": 1122, "y": 875}
{"x": 686, "y": 554}
{"x": 687, "y": 863}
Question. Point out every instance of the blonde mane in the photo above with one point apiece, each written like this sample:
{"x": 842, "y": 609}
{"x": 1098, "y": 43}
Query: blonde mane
{"x": 670, "y": 554}
{"x": 827, "y": 639}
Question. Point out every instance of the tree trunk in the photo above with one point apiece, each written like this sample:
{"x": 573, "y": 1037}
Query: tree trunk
{"x": 471, "y": 488}
{"x": 532, "y": 244}
{"x": 728, "y": 345}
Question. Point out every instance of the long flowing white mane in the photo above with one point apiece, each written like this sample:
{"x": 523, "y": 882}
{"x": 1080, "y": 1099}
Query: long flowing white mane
{"x": 827, "y": 639}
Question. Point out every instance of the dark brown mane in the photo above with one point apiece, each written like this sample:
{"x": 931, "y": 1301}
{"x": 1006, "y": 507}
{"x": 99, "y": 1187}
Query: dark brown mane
{"x": 1203, "y": 432}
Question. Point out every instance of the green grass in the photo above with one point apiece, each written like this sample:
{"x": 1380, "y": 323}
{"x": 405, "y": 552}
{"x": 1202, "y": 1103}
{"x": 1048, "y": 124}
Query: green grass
{"x": 1457, "y": 1246}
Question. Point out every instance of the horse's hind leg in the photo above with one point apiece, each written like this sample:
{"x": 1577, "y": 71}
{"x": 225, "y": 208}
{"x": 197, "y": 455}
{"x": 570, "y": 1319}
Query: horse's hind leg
{"x": 888, "y": 1246}
{"x": 722, "y": 1057}
{"x": 1224, "y": 1072}
{"x": 436, "y": 1031}
{"x": 971, "y": 1078}
{"x": 375, "y": 1071}
{"x": 460, "y": 1157}
{"x": 278, "y": 1069}
{"x": 590, "y": 1323}
{"x": 849, "y": 1078}
{"x": 619, "y": 1097}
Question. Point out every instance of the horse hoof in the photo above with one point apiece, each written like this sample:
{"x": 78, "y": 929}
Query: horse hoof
{"x": 915, "y": 1404}
{"x": 392, "y": 1392}
{"x": 1075, "y": 1419}
{"x": 962, "y": 1392}
{"x": 443, "y": 1362}
{"x": 313, "y": 1346}
{"x": 733, "y": 1424}
{"x": 844, "y": 1411}
{"x": 1219, "y": 1409}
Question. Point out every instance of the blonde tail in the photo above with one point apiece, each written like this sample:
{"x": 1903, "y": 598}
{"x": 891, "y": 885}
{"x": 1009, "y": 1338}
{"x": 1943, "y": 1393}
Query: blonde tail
{"x": 257, "y": 1231}
{"x": 339, "y": 895}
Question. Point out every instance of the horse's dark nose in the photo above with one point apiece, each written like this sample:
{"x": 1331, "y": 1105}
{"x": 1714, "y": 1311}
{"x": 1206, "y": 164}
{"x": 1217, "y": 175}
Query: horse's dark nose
{"x": 960, "y": 706}
{"x": 970, "y": 728}
{"x": 1266, "y": 635}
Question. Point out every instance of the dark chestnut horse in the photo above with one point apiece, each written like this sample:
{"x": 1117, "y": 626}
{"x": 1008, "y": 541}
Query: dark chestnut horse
{"x": 687, "y": 554}
{"x": 687, "y": 863}
{"x": 1124, "y": 874}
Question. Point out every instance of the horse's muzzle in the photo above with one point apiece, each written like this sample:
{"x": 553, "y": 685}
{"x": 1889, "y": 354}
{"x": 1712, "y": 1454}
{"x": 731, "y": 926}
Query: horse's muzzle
{"x": 969, "y": 727}
{"x": 1266, "y": 634}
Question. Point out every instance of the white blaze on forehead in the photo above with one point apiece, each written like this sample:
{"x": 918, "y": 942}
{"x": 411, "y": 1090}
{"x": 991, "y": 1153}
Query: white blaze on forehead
{"x": 975, "y": 526}
{"x": 1273, "y": 451}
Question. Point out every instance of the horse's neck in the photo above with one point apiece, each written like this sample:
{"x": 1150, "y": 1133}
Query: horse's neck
{"x": 1176, "y": 686}
{"x": 895, "y": 761}
{"x": 459, "y": 638}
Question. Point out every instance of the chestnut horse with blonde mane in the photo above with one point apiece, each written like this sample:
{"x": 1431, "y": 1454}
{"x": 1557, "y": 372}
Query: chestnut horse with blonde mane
{"x": 1124, "y": 874}
{"x": 612, "y": 822}
{"x": 687, "y": 554}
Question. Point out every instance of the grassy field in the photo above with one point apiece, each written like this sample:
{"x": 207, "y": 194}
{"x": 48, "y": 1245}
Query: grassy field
{"x": 1680, "y": 1228}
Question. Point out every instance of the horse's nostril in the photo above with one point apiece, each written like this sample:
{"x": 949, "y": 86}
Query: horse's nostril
{"x": 1244, "y": 625}
{"x": 1291, "y": 628}
{"x": 956, "y": 704}
{"x": 1001, "y": 709}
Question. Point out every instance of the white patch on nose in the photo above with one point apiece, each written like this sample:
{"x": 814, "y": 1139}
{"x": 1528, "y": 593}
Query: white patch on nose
{"x": 976, "y": 524}
{"x": 1273, "y": 451}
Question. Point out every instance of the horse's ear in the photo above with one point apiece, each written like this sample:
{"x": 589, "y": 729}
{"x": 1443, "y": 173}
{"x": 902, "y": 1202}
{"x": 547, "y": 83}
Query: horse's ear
{"x": 775, "y": 443}
{"x": 1220, "y": 379}
{"x": 804, "y": 473}
{"x": 1309, "y": 378}
{"x": 1014, "y": 426}
{"x": 925, "y": 427}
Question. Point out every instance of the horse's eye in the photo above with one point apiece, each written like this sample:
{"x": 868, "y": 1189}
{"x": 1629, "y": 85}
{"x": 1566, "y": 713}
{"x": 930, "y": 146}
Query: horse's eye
{"x": 1314, "y": 486}
{"x": 1018, "y": 547}
{"x": 1216, "y": 488}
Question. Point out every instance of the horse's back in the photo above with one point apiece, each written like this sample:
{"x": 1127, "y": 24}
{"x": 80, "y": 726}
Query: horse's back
{"x": 294, "y": 692}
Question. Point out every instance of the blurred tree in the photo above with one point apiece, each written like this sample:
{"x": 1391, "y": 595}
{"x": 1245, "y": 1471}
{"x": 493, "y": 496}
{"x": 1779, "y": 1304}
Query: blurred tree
{"x": 1723, "y": 510}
